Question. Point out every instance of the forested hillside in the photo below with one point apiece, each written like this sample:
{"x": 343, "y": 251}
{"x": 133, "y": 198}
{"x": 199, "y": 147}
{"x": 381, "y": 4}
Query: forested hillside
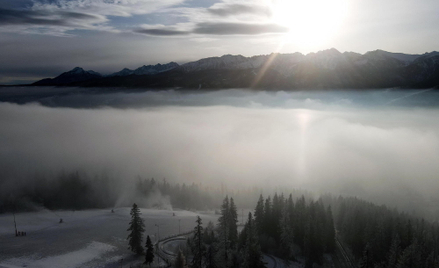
{"x": 380, "y": 237}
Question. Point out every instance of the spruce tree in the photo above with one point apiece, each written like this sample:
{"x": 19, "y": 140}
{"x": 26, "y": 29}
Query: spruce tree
{"x": 137, "y": 227}
{"x": 394, "y": 252}
{"x": 290, "y": 204}
{"x": 330, "y": 232}
{"x": 223, "y": 236}
{"x": 149, "y": 256}
{"x": 286, "y": 237}
{"x": 275, "y": 218}
{"x": 210, "y": 256}
{"x": 233, "y": 219}
{"x": 252, "y": 251}
{"x": 198, "y": 246}
{"x": 300, "y": 222}
{"x": 267, "y": 215}
{"x": 259, "y": 215}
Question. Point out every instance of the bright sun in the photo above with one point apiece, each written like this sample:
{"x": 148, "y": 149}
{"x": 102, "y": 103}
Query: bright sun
{"x": 310, "y": 21}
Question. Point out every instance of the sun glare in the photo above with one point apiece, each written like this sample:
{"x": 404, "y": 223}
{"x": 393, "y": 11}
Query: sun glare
{"x": 310, "y": 21}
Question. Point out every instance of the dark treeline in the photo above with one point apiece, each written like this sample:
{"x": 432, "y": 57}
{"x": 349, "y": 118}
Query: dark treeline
{"x": 199, "y": 196}
{"x": 78, "y": 190}
{"x": 222, "y": 245}
{"x": 380, "y": 237}
{"x": 280, "y": 226}
{"x": 73, "y": 190}
{"x": 288, "y": 228}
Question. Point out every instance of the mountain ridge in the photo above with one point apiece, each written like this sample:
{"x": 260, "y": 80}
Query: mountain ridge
{"x": 323, "y": 69}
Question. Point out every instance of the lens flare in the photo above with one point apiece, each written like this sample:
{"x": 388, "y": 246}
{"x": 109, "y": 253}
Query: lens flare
{"x": 310, "y": 21}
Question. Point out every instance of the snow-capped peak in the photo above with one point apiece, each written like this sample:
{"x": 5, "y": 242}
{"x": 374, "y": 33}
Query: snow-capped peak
{"x": 224, "y": 62}
{"x": 77, "y": 70}
{"x": 123, "y": 72}
{"x": 154, "y": 69}
{"x": 80, "y": 71}
{"x": 380, "y": 54}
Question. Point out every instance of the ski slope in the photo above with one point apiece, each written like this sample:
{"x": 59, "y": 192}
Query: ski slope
{"x": 90, "y": 238}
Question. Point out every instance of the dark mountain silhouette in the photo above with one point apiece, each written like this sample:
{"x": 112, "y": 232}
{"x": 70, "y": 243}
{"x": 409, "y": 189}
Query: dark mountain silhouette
{"x": 328, "y": 69}
{"x": 77, "y": 74}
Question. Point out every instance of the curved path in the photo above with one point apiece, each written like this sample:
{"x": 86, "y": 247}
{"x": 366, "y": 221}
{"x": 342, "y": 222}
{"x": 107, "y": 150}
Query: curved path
{"x": 163, "y": 249}
{"x": 273, "y": 259}
{"x": 165, "y": 254}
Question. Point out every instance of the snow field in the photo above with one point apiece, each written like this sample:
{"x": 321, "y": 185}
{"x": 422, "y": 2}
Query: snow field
{"x": 89, "y": 238}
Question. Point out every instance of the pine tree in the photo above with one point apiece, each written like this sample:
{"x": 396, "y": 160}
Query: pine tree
{"x": 410, "y": 257}
{"x": 198, "y": 246}
{"x": 259, "y": 215}
{"x": 394, "y": 252}
{"x": 210, "y": 256}
{"x": 274, "y": 230}
{"x": 330, "y": 231}
{"x": 365, "y": 261}
{"x": 267, "y": 215}
{"x": 290, "y": 205}
{"x": 286, "y": 236}
{"x": 137, "y": 227}
{"x": 300, "y": 222}
{"x": 252, "y": 251}
{"x": 233, "y": 228}
{"x": 149, "y": 256}
{"x": 223, "y": 236}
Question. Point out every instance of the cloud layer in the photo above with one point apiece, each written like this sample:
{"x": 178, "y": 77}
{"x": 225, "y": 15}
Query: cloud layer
{"x": 47, "y": 18}
{"x": 219, "y": 28}
{"x": 377, "y": 153}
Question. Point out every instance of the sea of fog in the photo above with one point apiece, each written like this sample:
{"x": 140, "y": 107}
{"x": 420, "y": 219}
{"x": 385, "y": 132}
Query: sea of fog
{"x": 380, "y": 145}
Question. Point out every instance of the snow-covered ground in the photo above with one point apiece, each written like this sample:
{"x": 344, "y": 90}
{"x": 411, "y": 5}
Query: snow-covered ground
{"x": 90, "y": 238}
{"x": 274, "y": 262}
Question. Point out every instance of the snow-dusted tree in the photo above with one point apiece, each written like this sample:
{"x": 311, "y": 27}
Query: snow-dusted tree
{"x": 197, "y": 245}
{"x": 410, "y": 257}
{"x": 149, "y": 256}
{"x": 137, "y": 227}
{"x": 252, "y": 251}
{"x": 223, "y": 234}
{"x": 209, "y": 259}
{"x": 286, "y": 233}
{"x": 259, "y": 215}
{"x": 232, "y": 224}
{"x": 394, "y": 252}
{"x": 329, "y": 231}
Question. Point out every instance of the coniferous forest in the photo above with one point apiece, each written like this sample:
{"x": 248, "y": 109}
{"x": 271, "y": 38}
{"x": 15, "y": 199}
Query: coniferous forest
{"x": 79, "y": 190}
{"x": 279, "y": 226}
{"x": 379, "y": 237}
{"x": 289, "y": 227}
{"x": 371, "y": 236}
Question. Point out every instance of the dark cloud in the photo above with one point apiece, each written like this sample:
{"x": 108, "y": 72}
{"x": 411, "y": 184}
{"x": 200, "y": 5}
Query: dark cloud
{"x": 15, "y": 3}
{"x": 219, "y": 29}
{"x": 238, "y": 28}
{"x": 161, "y": 32}
{"x": 236, "y": 9}
{"x": 44, "y": 18}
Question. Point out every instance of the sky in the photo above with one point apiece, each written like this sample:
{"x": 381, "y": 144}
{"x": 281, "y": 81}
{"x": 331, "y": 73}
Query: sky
{"x": 43, "y": 38}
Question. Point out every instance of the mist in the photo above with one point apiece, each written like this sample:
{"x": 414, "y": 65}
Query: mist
{"x": 382, "y": 146}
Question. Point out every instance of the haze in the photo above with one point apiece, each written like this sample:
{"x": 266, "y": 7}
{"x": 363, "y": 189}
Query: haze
{"x": 338, "y": 142}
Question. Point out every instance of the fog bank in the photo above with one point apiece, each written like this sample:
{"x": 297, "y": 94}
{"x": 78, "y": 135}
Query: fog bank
{"x": 333, "y": 146}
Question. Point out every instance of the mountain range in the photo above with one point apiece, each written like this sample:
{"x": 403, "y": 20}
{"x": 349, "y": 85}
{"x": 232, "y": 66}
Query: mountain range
{"x": 327, "y": 69}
